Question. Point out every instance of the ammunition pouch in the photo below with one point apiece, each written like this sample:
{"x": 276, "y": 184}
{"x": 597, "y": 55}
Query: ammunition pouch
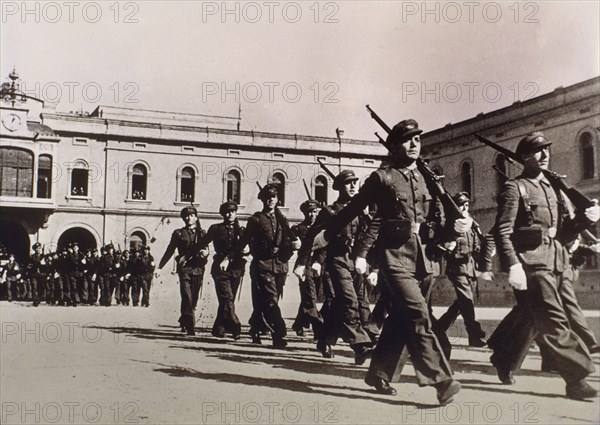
{"x": 396, "y": 231}
{"x": 528, "y": 238}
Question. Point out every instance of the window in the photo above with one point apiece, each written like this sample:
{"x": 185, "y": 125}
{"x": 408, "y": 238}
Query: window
{"x": 16, "y": 172}
{"x": 79, "y": 179}
{"x": 588, "y": 155}
{"x": 44, "y": 179}
{"x": 233, "y": 186}
{"x": 466, "y": 178}
{"x": 501, "y": 173}
{"x": 188, "y": 183}
{"x": 139, "y": 177}
{"x": 321, "y": 189}
{"x": 279, "y": 179}
{"x": 137, "y": 240}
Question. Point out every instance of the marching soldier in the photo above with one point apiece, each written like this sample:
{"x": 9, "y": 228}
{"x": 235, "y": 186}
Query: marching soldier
{"x": 34, "y": 272}
{"x": 405, "y": 231}
{"x": 48, "y": 269}
{"x": 271, "y": 245}
{"x": 228, "y": 268}
{"x": 531, "y": 228}
{"x": 148, "y": 272}
{"x": 344, "y": 320}
{"x": 90, "y": 275}
{"x": 108, "y": 268}
{"x": 13, "y": 276}
{"x": 124, "y": 276}
{"x": 460, "y": 269}
{"x": 308, "y": 314}
{"x": 190, "y": 265}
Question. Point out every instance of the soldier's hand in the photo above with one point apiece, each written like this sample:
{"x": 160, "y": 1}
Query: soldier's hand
{"x": 317, "y": 268}
{"x": 246, "y": 250}
{"x": 516, "y": 277}
{"x": 360, "y": 265}
{"x": 372, "y": 279}
{"x": 320, "y": 241}
{"x": 449, "y": 246}
{"x": 94, "y": 277}
{"x": 489, "y": 276}
{"x": 224, "y": 264}
{"x": 296, "y": 244}
{"x": 462, "y": 225}
{"x": 299, "y": 271}
{"x": 595, "y": 247}
{"x": 574, "y": 245}
{"x": 204, "y": 253}
{"x": 593, "y": 213}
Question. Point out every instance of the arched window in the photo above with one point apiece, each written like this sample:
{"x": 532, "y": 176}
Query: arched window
{"x": 139, "y": 180}
{"x": 586, "y": 141}
{"x": 321, "y": 189}
{"x": 137, "y": 240}
{"x": 233, "y": 186}
{"x": 44, "y": 179}
{"x": 79, "y": 179}
{"x": 16, "y": 172}
{"x": 466, "y": 178}
{"x": 279, "y": 179}
{"x": 188, "y": 184}
{"x": 501, "y": 172}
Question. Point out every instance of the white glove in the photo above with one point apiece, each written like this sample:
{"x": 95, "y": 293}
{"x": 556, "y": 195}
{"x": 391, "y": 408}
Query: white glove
{"x": 489, "y": 276}
{"x": 299, "y": 271}
{"x": 317, "y": 268}
{"x": 516, "y": 277}
{"x": 128, "y": 275}
{"x": 246, "y": 250}
{"x": 18, "y": 276}
{"x": 121, "y": 278}
{"x": 204, "y": 253}
{"x": 595, "y": 247}
{"x": 56, "y": 275}
{"x": 462, "y": 225}
{"x": 320, "y": 241}
{"x": 296, "y": 244}
{"x": 449, "y": 246}
{"x": 593, "y": 213}
{"x": 224, "y": 264}
{"x": 360, "y": 265}
{"x": 574, "y": 246}
{"x": 83, "y": 261}
{"x": 372, "y": 279}
{"x": 94, "y": 277}
{"x": 118, "y": 265}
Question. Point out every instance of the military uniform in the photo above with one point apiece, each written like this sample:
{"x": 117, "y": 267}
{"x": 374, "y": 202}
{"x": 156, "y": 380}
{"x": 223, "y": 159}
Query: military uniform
{"x": 36, "y": 276}
{"x": 531, "y": 226}
{"x": 226, "y": 239}
{"x": 190, "y": 268}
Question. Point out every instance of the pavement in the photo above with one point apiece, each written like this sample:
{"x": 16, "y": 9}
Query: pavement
{"x": 122, "y": 364}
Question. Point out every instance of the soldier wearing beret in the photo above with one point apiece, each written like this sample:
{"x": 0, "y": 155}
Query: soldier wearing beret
{"x": 460, "y": 269}
{"x": 405, "y": 232}
{"x": 308, "y": 314}
{"x": 344, "y": 320}
{"x": 531, "y": 230}
{"x": 190, "y": 265}
{"x": 228, "y": 268}
{"x": 271, "y": 244}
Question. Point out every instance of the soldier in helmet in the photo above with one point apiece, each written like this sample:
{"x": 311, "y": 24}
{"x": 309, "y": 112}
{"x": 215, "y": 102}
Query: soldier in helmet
{"x": 190, "y": 265}
{"x": 228, "y": 268}
{"x": 271, "y": 245}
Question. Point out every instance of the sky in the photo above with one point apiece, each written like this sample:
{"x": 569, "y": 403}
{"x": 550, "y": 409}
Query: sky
{"x": 301, "y": 67}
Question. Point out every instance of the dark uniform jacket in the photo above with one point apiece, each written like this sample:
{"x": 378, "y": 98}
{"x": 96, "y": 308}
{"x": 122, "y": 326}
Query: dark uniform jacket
{"x": 226, "y": 239}
{"x": 35, "y": 268}
{"x": 462, "y": 259}
{"x": 270, "y": 238}
{"x": 186, "y": 241}
{"x": 531, "y": 223}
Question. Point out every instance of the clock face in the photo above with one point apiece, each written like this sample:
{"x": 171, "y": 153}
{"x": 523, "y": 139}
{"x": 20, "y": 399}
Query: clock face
{"x": 11, "y": 122}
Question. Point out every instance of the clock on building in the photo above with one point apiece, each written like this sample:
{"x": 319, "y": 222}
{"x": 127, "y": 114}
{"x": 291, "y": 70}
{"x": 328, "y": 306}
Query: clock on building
{"x": 12, "y": 122}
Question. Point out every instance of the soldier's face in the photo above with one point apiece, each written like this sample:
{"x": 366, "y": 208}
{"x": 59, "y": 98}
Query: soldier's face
{"x": 230, "y": 216}
{"x": 191, "y": 219}
{"x": 349, "y": 189}
{"x": 312, "y": 215}
{"x": 539, "y": 160}
{"x": 407, "y": 150}
{"x": 464, "y": 208}
{"x": 271, "y": 201}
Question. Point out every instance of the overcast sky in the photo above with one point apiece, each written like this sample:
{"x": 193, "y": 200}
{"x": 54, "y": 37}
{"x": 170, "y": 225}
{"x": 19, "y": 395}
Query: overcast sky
{"x": 301, "y": 67}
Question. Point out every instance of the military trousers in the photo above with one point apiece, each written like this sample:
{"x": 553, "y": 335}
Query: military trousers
{"x": 266, "y": 314}
{"x": 463, "y": 305}
{"x": 190, "y": 282}
{"x": 226, "y": 286}
{"x": 540, "y": 315}
{"x": 308, "y": 313}
{"x": 408, "y": 327}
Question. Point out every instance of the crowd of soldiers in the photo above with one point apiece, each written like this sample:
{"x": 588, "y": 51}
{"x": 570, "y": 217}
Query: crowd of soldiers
{"x": 392, "y": 233}
{"x": 70, "y": 277}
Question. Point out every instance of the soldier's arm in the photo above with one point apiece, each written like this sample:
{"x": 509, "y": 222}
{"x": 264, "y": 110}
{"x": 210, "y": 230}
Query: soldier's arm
{"x": 169, "y": 251}
{"x": 508, "y": 207}
{"x": 248, "y": 234}
{"x": 364, "y": 243}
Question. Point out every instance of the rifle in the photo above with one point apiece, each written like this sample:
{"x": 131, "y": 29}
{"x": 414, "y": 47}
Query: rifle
{"x": 327, "y": 170}
{"x": 450, "y": 208}
{"x": 578, "y": 199}
{"x": 307, "y": 191}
